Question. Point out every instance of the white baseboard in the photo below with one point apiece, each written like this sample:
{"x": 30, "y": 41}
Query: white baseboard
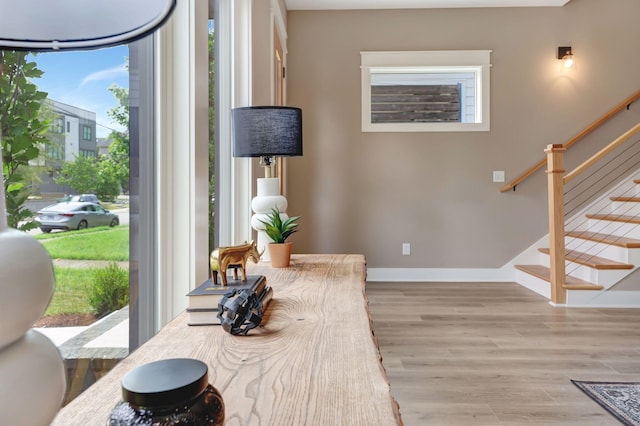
{"x": 607, "y": 299}
{"x": 440, "y": 274}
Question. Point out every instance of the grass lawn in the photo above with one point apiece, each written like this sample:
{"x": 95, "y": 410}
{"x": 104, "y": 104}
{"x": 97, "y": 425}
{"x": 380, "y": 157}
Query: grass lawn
{"x": 72, "y": 284}
{"x": 70, "y": 295}
{"x": 102, "y": 243}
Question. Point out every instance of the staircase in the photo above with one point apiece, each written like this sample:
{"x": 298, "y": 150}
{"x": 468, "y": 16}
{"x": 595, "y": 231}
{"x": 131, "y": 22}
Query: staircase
{"x": 601, "y": 249}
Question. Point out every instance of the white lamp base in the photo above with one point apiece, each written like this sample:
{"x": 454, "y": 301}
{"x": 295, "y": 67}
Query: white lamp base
{"x": 267, "y": 198}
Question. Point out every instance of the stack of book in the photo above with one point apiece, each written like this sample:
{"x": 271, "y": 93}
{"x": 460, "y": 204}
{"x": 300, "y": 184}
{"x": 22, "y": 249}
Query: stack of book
{"x": 203, "y": 300}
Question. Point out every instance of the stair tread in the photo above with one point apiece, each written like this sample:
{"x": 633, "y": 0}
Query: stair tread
{"x": 590, "y": 260}
{"x": 626, "y": 199}
{"x": 572, "y": 283}
{"x": 615, "y": 218}
{"x": 613, "y": 240}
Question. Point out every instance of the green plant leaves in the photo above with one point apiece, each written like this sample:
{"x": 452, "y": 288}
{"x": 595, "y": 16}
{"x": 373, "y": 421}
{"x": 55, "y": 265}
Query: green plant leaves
{"x": 22, "y": 131}
{"x": 277, "y": 229}
{"x": 109, "y": 290}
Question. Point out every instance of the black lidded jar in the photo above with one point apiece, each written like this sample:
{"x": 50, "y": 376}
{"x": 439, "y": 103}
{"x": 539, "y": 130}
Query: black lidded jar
{"x": 168, "y": 392}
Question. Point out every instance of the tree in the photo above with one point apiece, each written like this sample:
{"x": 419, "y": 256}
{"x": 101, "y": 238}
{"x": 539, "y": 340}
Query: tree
{"x": 118, "y": 155}
{"x": 80, "y": 174}
{"x": 88, "y": 175}
{"x": 22, "y": 131}
{"x": 108, "y": 185}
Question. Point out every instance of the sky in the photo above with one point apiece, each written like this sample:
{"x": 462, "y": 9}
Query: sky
{"x": 82, "y": 79}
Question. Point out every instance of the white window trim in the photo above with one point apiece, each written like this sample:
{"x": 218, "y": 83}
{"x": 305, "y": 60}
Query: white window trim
{"x": 238, "y": 212}
{"x": 181, "y": 158}
{"x": 233, "y": 196}
{"x": 278, "y": 24}
{"x": 474, "y": 60}
{"x": 179, "y": 251}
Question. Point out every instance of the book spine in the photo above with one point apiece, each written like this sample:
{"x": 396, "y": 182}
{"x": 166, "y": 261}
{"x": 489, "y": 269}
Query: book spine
{"x": 265, "y": 296}
{"x": 261, "y": 286}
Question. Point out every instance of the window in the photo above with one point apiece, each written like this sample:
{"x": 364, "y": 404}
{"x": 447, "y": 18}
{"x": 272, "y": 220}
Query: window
{"x": 86, "y": 133}
{"x": 75, "y": 137}
{"x": 55, "y": 151}
{"x": 430, "y": 91}
{"x": 56, "y": 125}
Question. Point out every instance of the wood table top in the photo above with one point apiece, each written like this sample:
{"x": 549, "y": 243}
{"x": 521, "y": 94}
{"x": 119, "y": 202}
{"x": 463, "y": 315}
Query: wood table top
{"x": 313, "y": 361}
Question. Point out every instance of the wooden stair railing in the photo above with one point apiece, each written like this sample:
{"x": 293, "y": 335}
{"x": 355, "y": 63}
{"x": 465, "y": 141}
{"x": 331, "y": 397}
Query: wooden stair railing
{"x": 573, "y": 140}
{"x": 555, "y": 171}
{"x": 602, "y": 153}
{"x": 556, "y": 180}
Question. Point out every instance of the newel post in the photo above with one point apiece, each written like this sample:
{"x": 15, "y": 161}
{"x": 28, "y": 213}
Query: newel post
{"x": 555, "y": 177}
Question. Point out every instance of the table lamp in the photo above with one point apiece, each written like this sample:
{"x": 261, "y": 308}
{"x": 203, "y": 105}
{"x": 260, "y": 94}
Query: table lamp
{"x": 267, "y": 132}
{"x": 35, "y": 25}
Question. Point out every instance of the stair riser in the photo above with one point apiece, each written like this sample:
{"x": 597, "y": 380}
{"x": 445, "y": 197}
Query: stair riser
{"x": 633, "y": 256}
{"x": 625, "y": 208}
{"x": 619, "y": 254}
{"x": 604, "y": 277}
{"x": 622, "y": 229}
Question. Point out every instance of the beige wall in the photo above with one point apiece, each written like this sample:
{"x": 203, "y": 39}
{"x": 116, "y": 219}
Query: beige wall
{"x": 370, "y": 192}
{"x": 261, "y": 52}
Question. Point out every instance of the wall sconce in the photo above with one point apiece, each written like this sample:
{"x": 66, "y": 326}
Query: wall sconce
{"x": 565, "y": 54}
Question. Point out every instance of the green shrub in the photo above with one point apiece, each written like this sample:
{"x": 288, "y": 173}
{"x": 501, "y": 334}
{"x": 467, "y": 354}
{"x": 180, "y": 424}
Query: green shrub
{"x": 109, "y": 290}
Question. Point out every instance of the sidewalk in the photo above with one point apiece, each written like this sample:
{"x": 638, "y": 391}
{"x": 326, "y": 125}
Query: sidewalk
{"x": 68, "y": 263}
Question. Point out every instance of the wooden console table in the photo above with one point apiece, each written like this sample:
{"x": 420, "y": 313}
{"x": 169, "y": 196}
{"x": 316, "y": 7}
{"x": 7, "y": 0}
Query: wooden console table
{"x": 314, "y": 361}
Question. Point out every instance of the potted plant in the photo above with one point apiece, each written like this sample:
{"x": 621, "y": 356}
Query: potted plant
{"x": 278, "y": 231}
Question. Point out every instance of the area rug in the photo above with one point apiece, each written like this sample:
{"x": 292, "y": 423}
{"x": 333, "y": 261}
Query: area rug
{"x": 620, "y": 399}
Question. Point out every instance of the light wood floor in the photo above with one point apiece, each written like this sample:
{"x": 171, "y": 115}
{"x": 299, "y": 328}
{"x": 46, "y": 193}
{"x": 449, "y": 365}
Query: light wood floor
{"x": 498, "y": 354}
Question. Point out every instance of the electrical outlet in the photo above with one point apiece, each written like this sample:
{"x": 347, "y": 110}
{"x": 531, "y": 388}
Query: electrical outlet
{"x": 498, "y": 176}
{"x": 406, "y": 249}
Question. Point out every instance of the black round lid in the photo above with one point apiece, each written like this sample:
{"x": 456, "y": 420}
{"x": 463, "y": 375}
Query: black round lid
{"x": 165, "y": 383}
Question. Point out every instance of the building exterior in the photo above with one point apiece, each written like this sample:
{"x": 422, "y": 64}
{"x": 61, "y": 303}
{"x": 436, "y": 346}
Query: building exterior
{"x": 103, "y": 145}
{"x": 72, "y": 134}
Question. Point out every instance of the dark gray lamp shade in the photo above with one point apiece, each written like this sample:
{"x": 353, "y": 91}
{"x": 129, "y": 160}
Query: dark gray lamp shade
{"x": 267, "y": 131}
{"x": 39, "y": 25}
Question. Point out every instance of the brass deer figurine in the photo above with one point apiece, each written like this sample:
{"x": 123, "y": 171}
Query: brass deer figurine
{"x": 233, "y": 257}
